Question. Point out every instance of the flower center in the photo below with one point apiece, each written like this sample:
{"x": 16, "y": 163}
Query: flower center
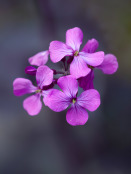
{"x": 76, "y": 53}
{"x": 91, "y": 67}
{"x": 38, "y": 91}
{"x": 74, "y": 100}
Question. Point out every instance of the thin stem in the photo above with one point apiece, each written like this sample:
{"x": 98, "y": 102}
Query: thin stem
{"x": 59, "y": 72}
{"x": 64, "y": 63}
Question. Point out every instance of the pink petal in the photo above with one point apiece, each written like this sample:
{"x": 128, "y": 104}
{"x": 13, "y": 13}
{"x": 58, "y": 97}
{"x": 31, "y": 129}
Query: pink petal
{"x": 69, "y": 85}
{"x": 89, "y": 99}
{"x": 46, "y": 93}
{"x": 74, "y": 38}
{"x": 91, "y": 46}
{"x": 39, "y": 59}
{"x": 87, "y": 81}
{"x": 109, "y": 65}
{"x": 23, "y": 86}
{"x": 93, "y": 59}
{"x": 79, "y": 68}
{"x": 57, "y": 100}
{"x": 33, "y": 104}
{"x": 59, "y": 50}
{"x": 44, "y": 76}
{"x": 30, "y": 70}
{"x": 76, "y": 115}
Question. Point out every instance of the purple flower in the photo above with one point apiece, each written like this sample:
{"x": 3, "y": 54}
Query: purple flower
{"x": 108, "y": 66}
{"x": 78, "y": 67}
{"x": 59, "y": 100}
{"x": 21, "y": 86}
{"x": 39, "y": 59}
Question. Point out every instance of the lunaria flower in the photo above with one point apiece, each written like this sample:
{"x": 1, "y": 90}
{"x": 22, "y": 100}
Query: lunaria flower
{"x": 21, "y": 86}
{"x": 59, "y": 100}
{"x": 39, "y": 59}
{"x": 78, "y": 67}
{"x": 108, "y": 66}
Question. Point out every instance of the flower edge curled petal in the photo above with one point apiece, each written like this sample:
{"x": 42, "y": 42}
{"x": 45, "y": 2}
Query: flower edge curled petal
{"x": 56, "y": 100}
{"x": 22, "y": 86}
{"x": 89, "y": 99}
{"x": 74, "y": 37}
{"x": 93, "y": 59}
{"x": 79, "y": 68}
{"x": 91, "y": 46}
{"x": 76, "y": 115}
{"x": 39, "y": 59}
{"x": 109, "y": 65}
{"x": 33, "y": 104}
{"x": 58, "y": 50}
{"x": 44, "y": 76}
{"x": 69, "y": 85}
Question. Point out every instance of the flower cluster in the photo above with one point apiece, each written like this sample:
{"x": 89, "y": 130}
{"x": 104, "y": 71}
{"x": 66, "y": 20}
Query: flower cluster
{"x": 78, "y": 72}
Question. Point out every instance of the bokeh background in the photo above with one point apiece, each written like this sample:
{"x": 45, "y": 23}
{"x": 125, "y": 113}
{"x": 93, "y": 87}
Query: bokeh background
{"x": 46, "y": 144}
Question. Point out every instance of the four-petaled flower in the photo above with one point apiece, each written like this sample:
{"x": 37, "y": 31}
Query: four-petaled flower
{"x": 59, "y": 100}
{"x": 108, "y": 66}
{"x": 21, "y": 86}
{"x": 38, "y": 59}
{"x": 78, "y": 67}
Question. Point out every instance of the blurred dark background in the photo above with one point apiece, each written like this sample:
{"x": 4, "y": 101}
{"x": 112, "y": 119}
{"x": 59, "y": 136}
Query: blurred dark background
{"x": 46, "y": 144}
